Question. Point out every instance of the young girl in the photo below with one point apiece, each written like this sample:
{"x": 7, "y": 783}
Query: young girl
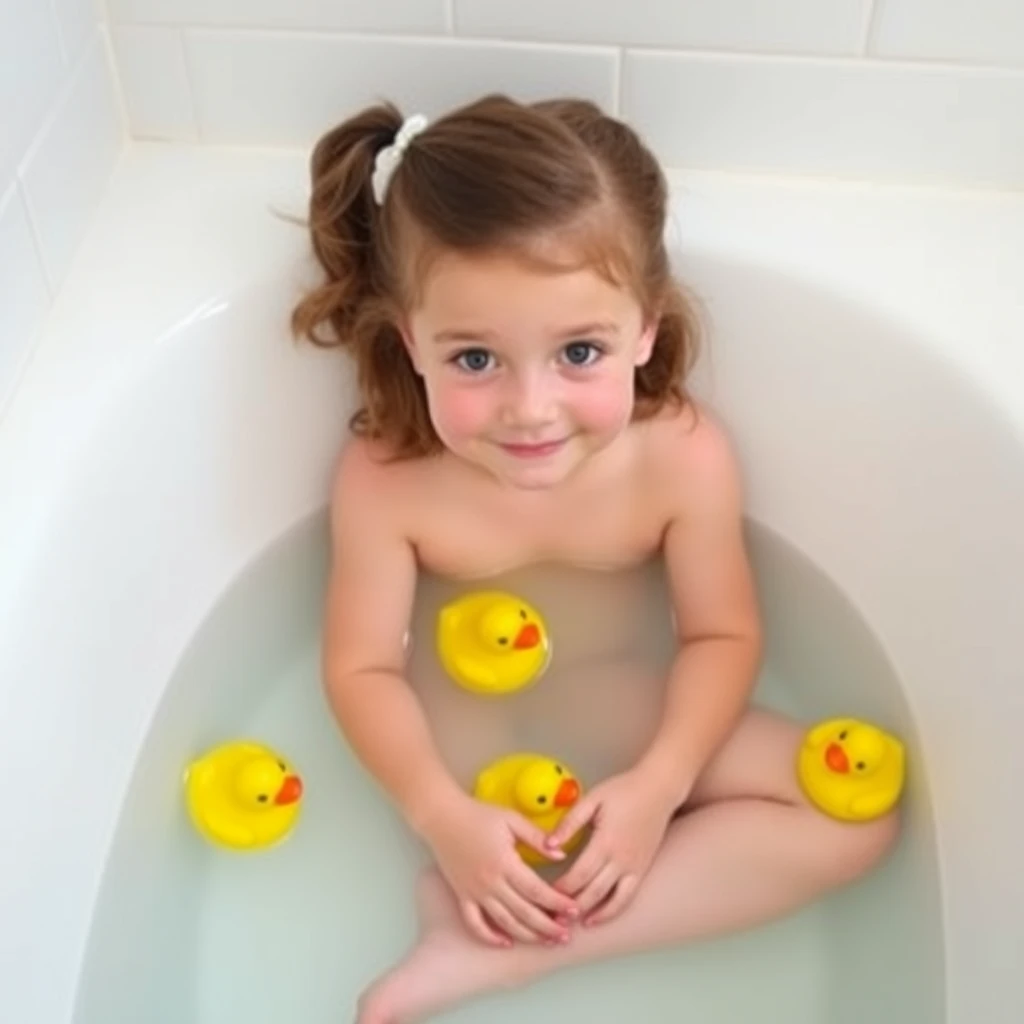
{"x": 501, "y": 279}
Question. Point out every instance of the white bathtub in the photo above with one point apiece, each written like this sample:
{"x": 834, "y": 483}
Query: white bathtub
{"x": 867, "y": 353}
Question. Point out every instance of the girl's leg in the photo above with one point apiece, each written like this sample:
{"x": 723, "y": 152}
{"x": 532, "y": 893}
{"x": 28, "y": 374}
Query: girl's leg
{"x": 747, "y": 849}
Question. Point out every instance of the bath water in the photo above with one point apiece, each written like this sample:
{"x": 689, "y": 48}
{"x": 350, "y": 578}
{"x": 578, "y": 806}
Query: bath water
{"x": 188, "y": 933}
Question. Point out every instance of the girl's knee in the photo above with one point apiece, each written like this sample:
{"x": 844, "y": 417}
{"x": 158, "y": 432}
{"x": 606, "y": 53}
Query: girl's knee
{"x": 857, "y": 848}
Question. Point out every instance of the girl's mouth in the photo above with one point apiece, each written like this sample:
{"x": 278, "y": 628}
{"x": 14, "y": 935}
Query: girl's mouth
{"x": 532, "y": 451}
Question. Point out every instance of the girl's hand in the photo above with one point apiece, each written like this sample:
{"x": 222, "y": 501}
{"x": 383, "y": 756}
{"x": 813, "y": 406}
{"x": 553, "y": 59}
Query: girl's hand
{"x": 499, "y": 895}
{"x": 629, "y": 814}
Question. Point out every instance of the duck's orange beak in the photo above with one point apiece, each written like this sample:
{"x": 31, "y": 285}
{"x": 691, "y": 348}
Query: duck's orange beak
{"x": 836, "y": 759}
{"x": 290, "y": 791}
{"x": 527, "y": 637}
{"x": 568, "y": 793}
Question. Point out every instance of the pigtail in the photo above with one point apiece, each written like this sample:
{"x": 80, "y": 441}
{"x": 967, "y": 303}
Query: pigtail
{"x": 676, "y": 348}
{"x": 356, "y": 298}
{"x": 344, "y": 228}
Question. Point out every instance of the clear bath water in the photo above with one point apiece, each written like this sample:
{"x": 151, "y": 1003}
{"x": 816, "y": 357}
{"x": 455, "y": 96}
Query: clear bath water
{"x": 187, "y": 934}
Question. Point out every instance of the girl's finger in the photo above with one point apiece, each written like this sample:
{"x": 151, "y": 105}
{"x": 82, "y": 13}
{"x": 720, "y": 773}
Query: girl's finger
{"x": 529, "y": 914}
{"x": 620, "y": 899}
{"x": 598, "y": 889}
{"x": 529, "y": 884}
{"x": 577, "y": 818}
{"x": 504, "y": 919}
{"x": 583, "y": 871}
{"x": 528, "y": 833}
{"x": 478, "y": 925}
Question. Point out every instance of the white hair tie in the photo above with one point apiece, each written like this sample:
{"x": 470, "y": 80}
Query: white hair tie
{"x": 387, "y": 160}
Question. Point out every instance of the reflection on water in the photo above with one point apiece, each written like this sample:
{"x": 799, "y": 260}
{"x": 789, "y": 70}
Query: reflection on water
{"x": 186, "y": 933}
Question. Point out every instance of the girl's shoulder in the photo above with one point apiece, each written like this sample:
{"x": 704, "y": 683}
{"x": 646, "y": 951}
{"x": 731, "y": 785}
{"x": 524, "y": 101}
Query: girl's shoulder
{"x": 688, "y": 432}
{"x": 364, "y": 463}
{"x": 689, "y": 451}
{"x": 369, "y": 472}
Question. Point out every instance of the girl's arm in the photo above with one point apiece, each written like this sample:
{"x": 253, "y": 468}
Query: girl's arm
{"x": 369, "y": 603}
{"x": 716, "y": 609}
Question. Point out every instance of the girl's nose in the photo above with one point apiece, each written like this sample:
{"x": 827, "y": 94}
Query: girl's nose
{"x": 531, "y": 403}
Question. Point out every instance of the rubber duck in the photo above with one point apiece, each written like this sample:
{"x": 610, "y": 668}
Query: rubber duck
{"x": 492, "y": 642}
{"x": 851, "y": 770}
{"x": 243, "y": 796}
{"x": 537, "y": 787}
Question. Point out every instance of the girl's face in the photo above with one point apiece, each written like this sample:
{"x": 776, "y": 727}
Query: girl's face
{"x": 528, "y": 372}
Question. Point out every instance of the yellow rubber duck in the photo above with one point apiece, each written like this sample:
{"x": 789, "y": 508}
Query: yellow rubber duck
{"x": 851, "y": 770}
{"x": 492, "y": 642}
{"x": 537, "y": 787}
{"x": 243, "y": 796}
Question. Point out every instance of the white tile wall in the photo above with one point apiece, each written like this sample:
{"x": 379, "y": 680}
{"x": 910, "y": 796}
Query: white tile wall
{"x": 859, "y": 118}
{"x": 60, "y": 131}
{"x": 239, "y": 77}
{"x": 64, "y": 173}
{"x": 157, "y": 91}
{"x": 347, "y": 15}
{"x": 32, "y": 70}
{"x": 788, "y": 26}
{"x": 76, "y": 22}
{"x": 975, "y": 31}
{"x": 24, "y": 293}
{"x": 885, "y": 89}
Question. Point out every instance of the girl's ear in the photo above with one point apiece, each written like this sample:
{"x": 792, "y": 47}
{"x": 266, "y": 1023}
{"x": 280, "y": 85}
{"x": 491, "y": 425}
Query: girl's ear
{"x": 410, "y": 345}
{"x": 645, "y": 344}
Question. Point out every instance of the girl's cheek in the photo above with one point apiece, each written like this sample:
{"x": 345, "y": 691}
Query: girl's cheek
{"x": 459, "y": 412}
{"x": 606, "y": 407}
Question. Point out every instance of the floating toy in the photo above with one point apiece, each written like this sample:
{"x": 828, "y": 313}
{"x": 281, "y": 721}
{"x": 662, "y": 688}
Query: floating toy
{"x": 243, "y": 796}
{"x": 537, "y": 787}
{"x": 492, "y": 642}
{"x": 851, "y": 770}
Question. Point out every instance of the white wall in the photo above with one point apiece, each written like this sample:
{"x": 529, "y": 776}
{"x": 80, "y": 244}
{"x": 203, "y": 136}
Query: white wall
{"x": 908, "y": 90}
{"x": 912, "y": 90}
{"x": 60, "y": 132}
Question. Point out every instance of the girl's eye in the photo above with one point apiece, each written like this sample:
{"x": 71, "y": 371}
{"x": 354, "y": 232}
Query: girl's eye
{"x": 581, "y": 353}
{"x": 474, "y": 360}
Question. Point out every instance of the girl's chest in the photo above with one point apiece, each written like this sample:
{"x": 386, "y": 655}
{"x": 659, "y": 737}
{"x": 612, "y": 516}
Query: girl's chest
{"x": 484, "y": 539}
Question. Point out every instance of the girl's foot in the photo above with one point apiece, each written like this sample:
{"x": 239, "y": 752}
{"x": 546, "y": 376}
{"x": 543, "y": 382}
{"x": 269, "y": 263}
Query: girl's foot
{"x": 447, "y": 965}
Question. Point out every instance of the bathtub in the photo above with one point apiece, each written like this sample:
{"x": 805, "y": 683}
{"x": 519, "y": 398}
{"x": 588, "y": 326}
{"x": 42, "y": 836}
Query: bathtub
{"x": 164, "y": 467}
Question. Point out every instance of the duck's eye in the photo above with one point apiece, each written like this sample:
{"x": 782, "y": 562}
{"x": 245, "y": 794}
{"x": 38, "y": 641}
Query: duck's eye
{"x": 263, "y": 798}
{"x": 843, "y": 735}
{"x": 559, "y": 769}
{"x": 542, "y": 799}
{"x": 280, "y": 764}
{"x": 502, "y": 639}
{"x": 861, "y": 766}
{"x": 522, "y": 613}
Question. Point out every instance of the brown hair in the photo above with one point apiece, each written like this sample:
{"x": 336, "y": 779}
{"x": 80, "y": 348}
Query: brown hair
{"x": 493, "y": 175}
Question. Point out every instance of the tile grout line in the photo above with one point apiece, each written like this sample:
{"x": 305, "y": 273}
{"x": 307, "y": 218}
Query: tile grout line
{"x": 63, "y": 96}
{"x": 61, "y": 42}
{"x": 22, "y": 196}
{"x": 190, "y": 83}
{"x": 31, "y": 343}
{"x": 824, "y": 59}
{"x": 120, "y": 97}
{"x": 869, "y": 29}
